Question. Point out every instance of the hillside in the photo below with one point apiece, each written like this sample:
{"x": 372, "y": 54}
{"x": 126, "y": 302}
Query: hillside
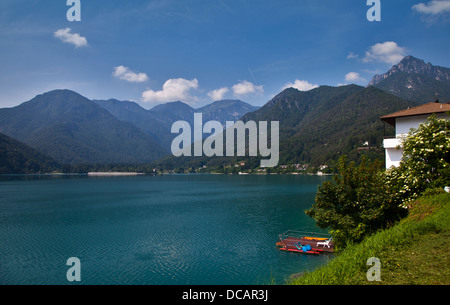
{"x": 18, "y": 158}
{"x": 343, "y": 129}
{"x": 324, "y": 123}
{"x": 294, "y": 108}
{"x": 413, "y": 252}
{"x": 72, "y": 129}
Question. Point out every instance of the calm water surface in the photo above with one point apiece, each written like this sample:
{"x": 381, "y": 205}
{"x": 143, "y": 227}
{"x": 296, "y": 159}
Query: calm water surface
{"x": 174, "y": 229}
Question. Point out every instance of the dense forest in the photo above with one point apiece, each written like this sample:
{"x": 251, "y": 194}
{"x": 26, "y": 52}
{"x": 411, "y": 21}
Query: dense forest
{"x": 18, "y": 158}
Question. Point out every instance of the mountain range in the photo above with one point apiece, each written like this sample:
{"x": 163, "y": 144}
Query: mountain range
{"x": 157, "y": 122}
{"x": 72, "y": 129}
{"x": 316, "y": 126}
{"x": 319, "y": 125}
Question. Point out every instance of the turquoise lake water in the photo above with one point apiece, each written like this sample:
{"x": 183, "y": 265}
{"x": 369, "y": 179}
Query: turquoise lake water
{"x": 154, "y": 230}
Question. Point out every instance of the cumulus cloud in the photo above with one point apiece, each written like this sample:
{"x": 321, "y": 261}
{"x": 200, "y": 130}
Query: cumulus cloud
{"x": 172, "y": 90}
{"x": 125, "y": 73}
{"x": 246, "y": 87}
{"x": 217, "y": 95}
{"x": 434, "y": 7}
{"x": 353, "y": 77}
{"x": 75, "y": 39}
{"x": 301, "y": 85}
{"x": 388, "y": 52}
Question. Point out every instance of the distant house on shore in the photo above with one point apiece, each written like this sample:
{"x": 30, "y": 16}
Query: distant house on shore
{"x": 403, "y": 121}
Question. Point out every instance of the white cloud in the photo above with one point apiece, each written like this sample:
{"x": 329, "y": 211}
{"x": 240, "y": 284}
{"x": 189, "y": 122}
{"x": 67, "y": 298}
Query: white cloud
{"x": 128, "y": 75}
{"x": 172, "y": 90}
{"x": 75, "y": 39}
{"x": 387, "y": 52}
{"x": 434, "y": 7}
{"x": 353, "y": 77}
{"x": 352, "y": 55}
{"x": 246, "y": 87}
{"x": 301, "y": 85}
{"x": 217, "y": 95}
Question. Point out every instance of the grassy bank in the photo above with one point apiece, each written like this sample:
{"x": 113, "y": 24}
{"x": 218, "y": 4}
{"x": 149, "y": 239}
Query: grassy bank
{"x": 415, "y": 251}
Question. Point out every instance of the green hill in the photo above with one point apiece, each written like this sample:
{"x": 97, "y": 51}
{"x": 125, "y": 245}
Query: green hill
{"x": 295, "y": 109}
{"x": 349, "y": 125}
{"x": 18, "y": 158}
{"x": 318, "y": 126}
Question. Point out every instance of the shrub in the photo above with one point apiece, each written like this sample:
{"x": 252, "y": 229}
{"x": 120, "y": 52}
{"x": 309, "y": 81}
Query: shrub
{"x": 355, "y": 203}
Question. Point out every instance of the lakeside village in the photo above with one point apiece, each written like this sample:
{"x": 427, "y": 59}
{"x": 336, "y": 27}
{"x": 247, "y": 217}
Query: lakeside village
{"x": 247, "y": 166}
{"x": 244, "y": 168}
{"x": 239, "y": 168}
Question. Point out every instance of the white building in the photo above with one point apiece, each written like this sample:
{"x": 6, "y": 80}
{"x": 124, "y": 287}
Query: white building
{"x": 405, "y": 120}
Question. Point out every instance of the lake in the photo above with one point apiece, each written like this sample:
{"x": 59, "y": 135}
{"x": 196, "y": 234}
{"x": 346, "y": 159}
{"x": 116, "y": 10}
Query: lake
{"x": 154, "y": 230}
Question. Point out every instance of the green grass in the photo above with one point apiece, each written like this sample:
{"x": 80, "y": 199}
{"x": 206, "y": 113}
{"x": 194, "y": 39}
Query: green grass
{"x": 413, "y": 252}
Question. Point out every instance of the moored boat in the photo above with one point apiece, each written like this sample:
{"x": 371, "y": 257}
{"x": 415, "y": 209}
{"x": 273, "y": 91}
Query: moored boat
{"x": 305, "y": 242}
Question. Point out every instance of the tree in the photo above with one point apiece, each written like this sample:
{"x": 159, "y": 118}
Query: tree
{"x": 425, "y": 162}
{"x": 355, "y": 202}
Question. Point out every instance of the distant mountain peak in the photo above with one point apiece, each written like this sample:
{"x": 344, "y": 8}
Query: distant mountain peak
{"x": 60, "y": 93}
{"x": 57, "y": 91}
{"x": 412, "y": 65}
{"x": 58, "y": 102}
{"x": 226, "y": 110}
{"x": 171, "y": 106}
{"x": 415, "y": 80}
{"x": 228, "y": 103}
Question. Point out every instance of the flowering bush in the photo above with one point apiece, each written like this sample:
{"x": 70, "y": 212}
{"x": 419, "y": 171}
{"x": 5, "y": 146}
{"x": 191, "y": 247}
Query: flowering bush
{"x": 425, "y": 162}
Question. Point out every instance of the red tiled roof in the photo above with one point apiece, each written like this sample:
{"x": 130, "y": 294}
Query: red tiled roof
{"x": 429, "y": 108}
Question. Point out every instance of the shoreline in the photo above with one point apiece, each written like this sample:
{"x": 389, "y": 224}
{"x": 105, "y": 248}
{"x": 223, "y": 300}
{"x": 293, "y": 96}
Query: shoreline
{"x": 113, "y": 174}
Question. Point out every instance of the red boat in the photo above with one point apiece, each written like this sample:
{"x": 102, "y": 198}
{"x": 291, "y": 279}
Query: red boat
{"x": 302, "y": 242}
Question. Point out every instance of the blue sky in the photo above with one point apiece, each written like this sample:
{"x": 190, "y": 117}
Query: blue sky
{"x": 198, "y": 51}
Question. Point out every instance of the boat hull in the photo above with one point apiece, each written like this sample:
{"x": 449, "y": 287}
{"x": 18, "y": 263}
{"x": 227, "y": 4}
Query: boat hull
{"x": 290, "y": 242}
